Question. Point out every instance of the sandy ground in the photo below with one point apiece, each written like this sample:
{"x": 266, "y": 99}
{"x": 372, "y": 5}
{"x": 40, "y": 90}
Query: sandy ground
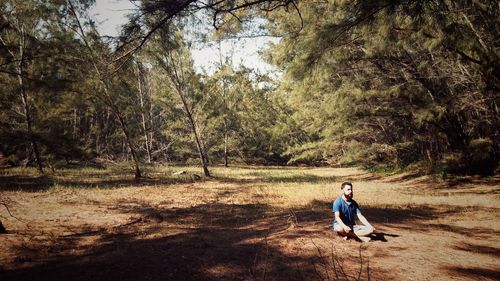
{"x": 246, "y": 228}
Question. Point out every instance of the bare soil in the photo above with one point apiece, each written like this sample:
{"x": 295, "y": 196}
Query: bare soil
{"x": 245, "y": 227}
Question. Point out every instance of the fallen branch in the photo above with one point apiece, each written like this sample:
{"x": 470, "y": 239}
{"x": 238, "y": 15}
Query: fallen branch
{"x": 2, "y": 228}
{"x": 103, "y": 230}
{"x": 8, "y": 210}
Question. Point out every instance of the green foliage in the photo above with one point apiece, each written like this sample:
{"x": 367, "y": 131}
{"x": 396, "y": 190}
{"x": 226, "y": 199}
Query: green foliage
{"x": 386, "y": 84}
{"x": 392, "y": 82}
{"x": 38, "y": 66}
{"x": 483, "y": 154}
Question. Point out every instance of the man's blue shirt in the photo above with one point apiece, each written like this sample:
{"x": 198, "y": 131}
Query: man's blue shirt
{"x": 348, "y": 212}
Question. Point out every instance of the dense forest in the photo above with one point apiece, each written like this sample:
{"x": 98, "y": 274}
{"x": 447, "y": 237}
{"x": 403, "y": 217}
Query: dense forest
{"x": 399, "y": 85}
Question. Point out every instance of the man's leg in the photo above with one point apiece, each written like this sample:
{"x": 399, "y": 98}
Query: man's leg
{"x": 342, "y": 233}
{"x": 363, "y": 232}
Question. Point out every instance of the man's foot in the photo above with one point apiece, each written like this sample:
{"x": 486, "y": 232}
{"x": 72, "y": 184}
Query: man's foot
{"x": 364, "y": 238}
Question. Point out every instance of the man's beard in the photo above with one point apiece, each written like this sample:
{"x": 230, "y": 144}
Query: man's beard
{"x": 348, "y": 197}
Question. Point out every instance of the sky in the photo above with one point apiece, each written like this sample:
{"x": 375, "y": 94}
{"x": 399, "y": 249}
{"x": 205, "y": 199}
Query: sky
{"x": 110, "y": 14}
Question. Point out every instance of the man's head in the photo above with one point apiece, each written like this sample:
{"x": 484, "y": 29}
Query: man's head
{"x": 347, "y": 190}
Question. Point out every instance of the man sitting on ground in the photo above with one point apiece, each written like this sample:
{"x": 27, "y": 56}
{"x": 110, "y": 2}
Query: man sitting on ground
{"x": 346, "y": 209}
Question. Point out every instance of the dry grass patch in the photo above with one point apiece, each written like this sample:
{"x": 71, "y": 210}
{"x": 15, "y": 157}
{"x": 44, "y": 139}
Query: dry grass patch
{"x": 244, "y": 223}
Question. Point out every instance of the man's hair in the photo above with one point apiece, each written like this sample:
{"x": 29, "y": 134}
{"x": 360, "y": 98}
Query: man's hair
{"x": 344, "y": 184}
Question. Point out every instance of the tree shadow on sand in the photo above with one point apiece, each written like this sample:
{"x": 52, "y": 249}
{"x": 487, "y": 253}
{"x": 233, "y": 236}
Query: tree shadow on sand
{"x": 474, "y": 273}
{"x": 204, "y": 242}
{"x": 128, "y": 182}
{"x": 258, "y": 177}
{"x": 45, "y": 182}
{"x": 392, "y": 215}
{"x": 420, "y": 218}
{"x": 26, "y": 183}
{"x": 481, "y": 249}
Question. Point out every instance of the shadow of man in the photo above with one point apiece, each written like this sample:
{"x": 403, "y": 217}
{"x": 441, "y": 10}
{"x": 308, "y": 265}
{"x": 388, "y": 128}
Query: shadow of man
{"x": 380, "y": 236}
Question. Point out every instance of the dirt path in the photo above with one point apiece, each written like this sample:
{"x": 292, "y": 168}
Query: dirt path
{"x": 249, "y": 225}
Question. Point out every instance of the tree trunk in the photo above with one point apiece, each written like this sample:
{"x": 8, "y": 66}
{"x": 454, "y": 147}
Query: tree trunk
{"x": 203, "y": 159}
{"x": 141, "y": 98}
{"x": 26, "y": 106}
{"x": 225, "y": 143}
{"x": 173, "y": 71}
{"x": 31, "y": 137}
{"x": 107, "y": 99}
{"x": 221, "y": 61}
{"x": 130, "y": 146}
{"x": 151, "y": 126}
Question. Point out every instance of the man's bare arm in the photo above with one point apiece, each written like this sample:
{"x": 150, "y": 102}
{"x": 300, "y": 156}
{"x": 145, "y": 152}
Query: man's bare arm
{"x": 364, "y": 221}
{"x": 342, "y": 224}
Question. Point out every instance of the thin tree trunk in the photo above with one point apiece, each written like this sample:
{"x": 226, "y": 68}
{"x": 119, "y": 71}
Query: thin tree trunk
{"x": 141, "y": 97}
{"x": 24, "y": 96}
{"x": 75, "y": 123}
{"x": 31, "y": 137}
{"x": 95, "y": 124}
{"x": 26, "y": 106}
{"x": 226, "y": 133}
{"x": 123, "y": 126}
{"x": 150, "y": 117}
{"x": 225, "y": 143}
{"x": 131, "y": 147}
{"x": 201, "y": 154}
{"x": 180, "y": 89}
{"x": 107, "y": 99}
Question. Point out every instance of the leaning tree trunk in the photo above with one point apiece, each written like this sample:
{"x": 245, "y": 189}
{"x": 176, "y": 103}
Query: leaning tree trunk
{"x": 31, "y": 137}
{"x": 107, "y": 99}
{"x": 176, "y": 74}
{"x": 203, "y": 158}
{"x": 130, "y": 146}
{"x": 24, "y": 95}
{"x": 26, "y": 105}
{"x": 123, "y": 125}
{"x": 140, "y": 82}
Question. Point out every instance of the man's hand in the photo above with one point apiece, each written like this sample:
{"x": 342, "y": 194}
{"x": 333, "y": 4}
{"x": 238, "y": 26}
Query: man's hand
{"x": 347, "y": 229}
{"x": 365, "y": 222}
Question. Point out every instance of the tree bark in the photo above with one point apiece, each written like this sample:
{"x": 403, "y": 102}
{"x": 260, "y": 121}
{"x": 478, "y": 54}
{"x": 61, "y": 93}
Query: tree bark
{"x": 225, "y": 143}
{"x": 175, "y": 72}
{"x": 203, "y": 158}
{"x": 107, "y": 99}
{"x": 26, "y": 105}
{"x": 123, "y": 125}
{"x": 140, "y": 81}
{"x": 226, "y": 133}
